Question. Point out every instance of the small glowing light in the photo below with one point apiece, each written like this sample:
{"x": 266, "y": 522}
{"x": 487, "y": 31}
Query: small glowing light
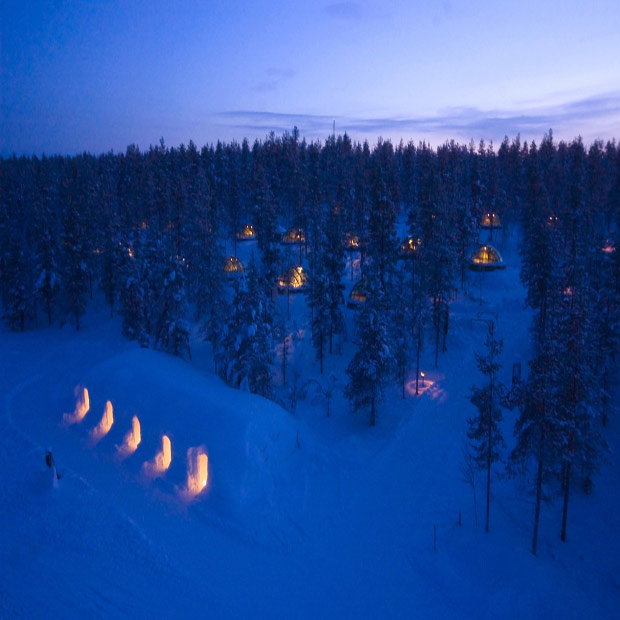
{"x": 82, "y": 407}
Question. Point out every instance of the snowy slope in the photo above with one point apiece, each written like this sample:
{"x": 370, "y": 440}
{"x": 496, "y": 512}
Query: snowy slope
{"x": 303, "y": 515}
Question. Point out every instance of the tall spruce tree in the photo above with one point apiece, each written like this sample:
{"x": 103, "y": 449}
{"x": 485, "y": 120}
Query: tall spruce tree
{"x": 484, "y": 429}
{"x": 75, "y": 277}
{"x": 373, "y": 361}
{"x": 245, "y": 356}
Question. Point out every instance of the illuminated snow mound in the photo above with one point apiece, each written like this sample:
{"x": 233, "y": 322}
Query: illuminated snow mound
{"x": 132, "y": 439}
{"x": 105, "y": 424}
{"x": 162, "y": 460}
{"x": 249, "y": 440}
{"x": 82, "y": 406}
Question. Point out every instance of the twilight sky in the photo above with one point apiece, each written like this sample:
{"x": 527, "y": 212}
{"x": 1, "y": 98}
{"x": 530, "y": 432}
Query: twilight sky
{"x": 97, "y": 75}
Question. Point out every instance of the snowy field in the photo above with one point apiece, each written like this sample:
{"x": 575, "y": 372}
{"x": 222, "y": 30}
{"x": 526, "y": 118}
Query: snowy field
{"x": 303, "y": 515}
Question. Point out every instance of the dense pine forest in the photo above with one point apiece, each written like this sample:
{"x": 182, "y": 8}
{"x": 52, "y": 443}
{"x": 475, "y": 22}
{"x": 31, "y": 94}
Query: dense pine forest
{"x": 150, "y": 232}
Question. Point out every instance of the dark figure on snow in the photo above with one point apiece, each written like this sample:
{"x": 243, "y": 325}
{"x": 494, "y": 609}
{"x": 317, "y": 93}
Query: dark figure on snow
{"x": 49, "y": 461}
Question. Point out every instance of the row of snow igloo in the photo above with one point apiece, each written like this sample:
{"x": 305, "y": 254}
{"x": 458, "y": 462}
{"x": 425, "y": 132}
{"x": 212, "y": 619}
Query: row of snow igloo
{"x": 197, "y": 459}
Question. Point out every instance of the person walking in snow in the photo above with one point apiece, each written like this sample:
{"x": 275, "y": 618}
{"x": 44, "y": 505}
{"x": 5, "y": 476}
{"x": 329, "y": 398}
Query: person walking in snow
{"x": 49, "y": 461}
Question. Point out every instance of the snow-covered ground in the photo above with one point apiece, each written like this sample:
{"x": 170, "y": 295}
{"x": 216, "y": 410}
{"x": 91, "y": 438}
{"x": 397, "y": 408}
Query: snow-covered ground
{"x": 303, "y": 515}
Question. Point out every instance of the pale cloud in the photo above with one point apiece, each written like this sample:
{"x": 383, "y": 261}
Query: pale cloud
{"x": 590, "y": 117}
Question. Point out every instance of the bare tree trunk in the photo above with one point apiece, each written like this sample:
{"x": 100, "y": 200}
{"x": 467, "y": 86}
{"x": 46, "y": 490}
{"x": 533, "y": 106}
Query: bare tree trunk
{"x": 486, "y": 528}
{"x": 437, "y": 332}
{"x": 605, "y": 386}
{"x": 284, "y": 358}
{"x": 417, "y": 365}
{"x": 475, "y": 506}
{"x": 539, "y": 477}
{"x": 372, "y": 411}
{"x": 565, "y": 506}
{"x": 490, "y": 445}
{"x": 446, "y": 322}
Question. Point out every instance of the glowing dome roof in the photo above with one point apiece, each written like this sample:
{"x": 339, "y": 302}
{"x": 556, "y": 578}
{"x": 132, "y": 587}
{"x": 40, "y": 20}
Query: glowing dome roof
{"x": 486, "y": 258}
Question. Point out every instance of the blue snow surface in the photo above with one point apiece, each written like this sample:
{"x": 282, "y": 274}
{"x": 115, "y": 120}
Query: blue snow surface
{"x": 303, "y": 515}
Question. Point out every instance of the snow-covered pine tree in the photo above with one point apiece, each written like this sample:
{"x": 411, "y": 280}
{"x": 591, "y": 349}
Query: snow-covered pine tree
{"x": 75, "y": 277}
{"x": 314, "y": 211}
{"x": 537, "y": 430}
{"x": 332, "y": 257}
{"x": 540, "y": 247}
{"x": 460, "y": 227}
{"x": 113, "y": 262}
{"x": 577, "y": 383}
{"x": 207, "y": 274}
{"x": 382, "y": 240}
{"x": 15, "y": 276}
{"x": 400, "y": 323}
{"x": 319, "y": 302}
{"x": 484, "y": 429}
{"x": 266, "y": 223}
{"x": 245, "y": 356}
{"x": 438, "y": 260}
{"x": 46, "y": 227}
{"x": 171, "y": 327}
{"x": 134, "y": 298}
{"x": 47, "y": 274}
{"x": 510, "y": 179}
{"x": 373, "y": 361}
{"x": 605, "y": 281}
